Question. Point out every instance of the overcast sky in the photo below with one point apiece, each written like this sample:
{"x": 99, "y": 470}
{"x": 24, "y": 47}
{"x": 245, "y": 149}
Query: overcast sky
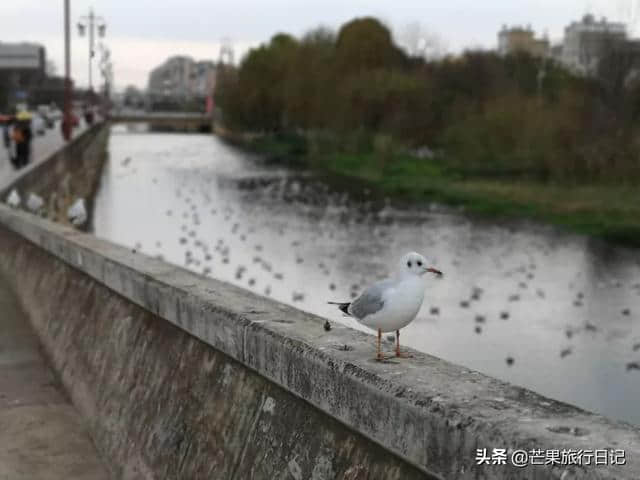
{"x": 142, "y": 33}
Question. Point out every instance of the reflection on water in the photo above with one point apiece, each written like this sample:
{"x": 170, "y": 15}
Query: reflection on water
{"x": 553, "y": 312}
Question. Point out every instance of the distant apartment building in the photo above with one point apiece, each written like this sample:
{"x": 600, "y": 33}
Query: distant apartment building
{"x": 180, "y": 79}
{"x": 586, "y": 42}
{"x": 521, "y": 39}
{"x": 22, "y": 69}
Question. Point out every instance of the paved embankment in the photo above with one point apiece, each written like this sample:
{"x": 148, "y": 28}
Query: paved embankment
{"x": 42, "y": 436}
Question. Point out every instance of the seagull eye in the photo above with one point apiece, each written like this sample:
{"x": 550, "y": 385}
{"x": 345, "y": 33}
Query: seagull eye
{"x": 409, "y": 264}
{"x": 419, "y": 263}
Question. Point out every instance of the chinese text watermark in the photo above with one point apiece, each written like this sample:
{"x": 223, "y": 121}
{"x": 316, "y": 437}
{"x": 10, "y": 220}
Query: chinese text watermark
{"x": 523, "y": 458}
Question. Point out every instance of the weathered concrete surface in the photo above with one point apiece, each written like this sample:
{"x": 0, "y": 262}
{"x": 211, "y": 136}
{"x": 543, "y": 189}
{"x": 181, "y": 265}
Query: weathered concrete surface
{"x": 42, "y": 436}
{"x": 70, "y": 173}
{"x": 163, "y": 404}
{"x": 431, "y": 413}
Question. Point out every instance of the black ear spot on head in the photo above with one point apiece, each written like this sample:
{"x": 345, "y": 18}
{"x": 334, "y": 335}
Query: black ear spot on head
{"x": 409, "y": 264}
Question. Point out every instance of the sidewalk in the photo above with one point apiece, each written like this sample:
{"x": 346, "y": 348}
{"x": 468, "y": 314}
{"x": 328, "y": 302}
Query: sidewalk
{"x": 42, "y": 147}
{"x": 42, "y": 436}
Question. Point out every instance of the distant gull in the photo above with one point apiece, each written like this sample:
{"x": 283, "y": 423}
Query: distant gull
{"x": 391, "y": 304}
{"x": 77, "y": 213}
{"x": 34, "y": 202}
{"x": 13, "y": 200}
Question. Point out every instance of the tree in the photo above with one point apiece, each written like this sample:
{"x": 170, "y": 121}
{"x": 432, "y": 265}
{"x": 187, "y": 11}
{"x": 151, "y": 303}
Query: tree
{"x": 309, "y": 88}
{"x": 419, "y": 42}
{"x": 364, "y": 44}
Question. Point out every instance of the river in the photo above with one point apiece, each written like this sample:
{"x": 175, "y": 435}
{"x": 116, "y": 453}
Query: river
{"x": 529, "y": 304}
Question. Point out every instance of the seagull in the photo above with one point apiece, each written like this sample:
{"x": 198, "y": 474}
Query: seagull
{"x": 77, "y": 213}
{"x": 13, "y": 200}
{"x": 391, "y": 304}
{"x": 34, "y": 202}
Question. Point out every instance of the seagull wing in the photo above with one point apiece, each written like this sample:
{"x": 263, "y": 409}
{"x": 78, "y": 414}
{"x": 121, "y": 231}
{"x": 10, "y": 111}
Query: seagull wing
{"x": 371, "y": 300}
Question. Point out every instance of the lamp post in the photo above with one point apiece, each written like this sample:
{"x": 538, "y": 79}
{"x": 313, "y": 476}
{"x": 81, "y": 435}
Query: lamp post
{"x": 66, "y": 121}
{"x": 89, "y": 24}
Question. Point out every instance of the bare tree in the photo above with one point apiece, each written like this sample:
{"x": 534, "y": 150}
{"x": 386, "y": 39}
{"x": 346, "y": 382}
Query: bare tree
{"x": 418, "y": 41}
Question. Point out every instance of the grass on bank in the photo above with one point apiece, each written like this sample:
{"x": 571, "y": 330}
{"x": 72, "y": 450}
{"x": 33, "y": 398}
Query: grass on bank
{"x": 605, "y": 210}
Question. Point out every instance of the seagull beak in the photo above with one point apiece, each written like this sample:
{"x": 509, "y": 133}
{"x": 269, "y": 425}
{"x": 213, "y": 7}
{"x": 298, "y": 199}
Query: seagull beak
{"x": 434, "y": 270}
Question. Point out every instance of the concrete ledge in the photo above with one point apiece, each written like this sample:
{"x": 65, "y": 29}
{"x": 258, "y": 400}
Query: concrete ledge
{"x": 431, "y": 413}
{"x": 71, "y": 172}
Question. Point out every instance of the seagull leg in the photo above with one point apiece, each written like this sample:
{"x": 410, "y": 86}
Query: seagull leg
{"x": 398, "y": 352}
{"x": 379, "y": 355}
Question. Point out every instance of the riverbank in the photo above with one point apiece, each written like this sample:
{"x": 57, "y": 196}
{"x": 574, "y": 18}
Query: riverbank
{"x": 608, "y": 211}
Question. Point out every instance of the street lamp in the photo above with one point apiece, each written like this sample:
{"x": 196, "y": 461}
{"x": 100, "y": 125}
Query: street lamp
{"x": 66, "y": 122}
{"x": 88, "y": 24}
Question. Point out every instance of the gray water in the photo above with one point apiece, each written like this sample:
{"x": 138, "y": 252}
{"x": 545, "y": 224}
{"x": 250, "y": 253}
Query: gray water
{"x": 554, "y": 312}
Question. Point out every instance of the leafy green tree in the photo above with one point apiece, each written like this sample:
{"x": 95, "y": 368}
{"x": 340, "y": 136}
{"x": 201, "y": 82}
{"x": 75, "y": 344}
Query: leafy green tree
{"x": 365, "y": 44}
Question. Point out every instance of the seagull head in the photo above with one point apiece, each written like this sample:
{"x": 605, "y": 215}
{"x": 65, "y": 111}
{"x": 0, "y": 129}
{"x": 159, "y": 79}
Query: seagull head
{"x": 415, "y": 264}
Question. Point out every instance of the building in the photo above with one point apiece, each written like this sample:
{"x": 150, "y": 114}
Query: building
{"x": 171, "y": 79}
{"x": 204, "y": 80}
{"x": 180, "y": 80}
{"x": 22, "y": 69}
{"x": 519, "y": 39}
{"x": 587, "y": 41}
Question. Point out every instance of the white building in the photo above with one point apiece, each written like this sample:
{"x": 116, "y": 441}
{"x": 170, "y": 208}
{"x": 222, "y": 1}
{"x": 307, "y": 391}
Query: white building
{"x": 182, "y": 78}
{"x": 587, "y": 41}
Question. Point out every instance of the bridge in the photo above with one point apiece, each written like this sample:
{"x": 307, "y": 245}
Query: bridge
{"x": 167, "y": 121}
{"x": 175, "y": 375}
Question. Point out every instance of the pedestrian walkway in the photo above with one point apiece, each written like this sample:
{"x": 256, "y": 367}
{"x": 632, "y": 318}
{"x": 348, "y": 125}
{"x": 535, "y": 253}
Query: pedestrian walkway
{"x": 43, "y": 146}
{"x": 42, "y": 436}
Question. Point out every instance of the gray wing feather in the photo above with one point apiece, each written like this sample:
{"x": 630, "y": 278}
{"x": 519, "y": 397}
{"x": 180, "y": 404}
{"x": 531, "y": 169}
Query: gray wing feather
{"x": 371, "y": 300}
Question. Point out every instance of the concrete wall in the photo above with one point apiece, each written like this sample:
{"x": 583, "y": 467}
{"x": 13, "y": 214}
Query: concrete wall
{"x": 72, "y": 172}
{"x": 187, "y": 377}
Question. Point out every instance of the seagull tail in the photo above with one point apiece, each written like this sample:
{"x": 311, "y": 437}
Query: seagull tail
{"x": 344, "y": 306}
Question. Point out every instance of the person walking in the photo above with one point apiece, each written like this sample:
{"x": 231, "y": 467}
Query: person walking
{"x": 6, "y": 138}
{"x": 22, "y": 136}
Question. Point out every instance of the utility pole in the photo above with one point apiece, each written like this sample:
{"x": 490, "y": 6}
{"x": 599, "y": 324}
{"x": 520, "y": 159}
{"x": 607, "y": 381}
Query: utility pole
{"x": 89, "y": 23}
{"x": 66, "y": 122}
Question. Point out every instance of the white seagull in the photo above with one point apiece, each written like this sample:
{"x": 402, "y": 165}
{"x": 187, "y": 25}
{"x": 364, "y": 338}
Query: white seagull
{"x": 13, "y": 200}
{"x": 392, "y": 304}
{"x": 77, "y": 212}
{"x": 34, "y": 202}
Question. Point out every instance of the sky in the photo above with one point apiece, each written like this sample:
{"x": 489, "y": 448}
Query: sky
{"x": 143, "y": 33}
